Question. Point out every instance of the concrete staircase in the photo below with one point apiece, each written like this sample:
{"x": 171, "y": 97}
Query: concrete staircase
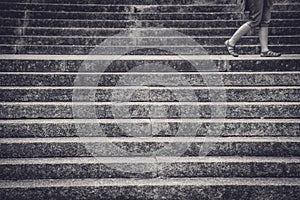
{"x": 112, "y": 99}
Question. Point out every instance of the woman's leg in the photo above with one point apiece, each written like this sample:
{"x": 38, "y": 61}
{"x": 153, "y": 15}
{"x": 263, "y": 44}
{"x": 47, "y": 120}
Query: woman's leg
{"x": 263, "y": 37}
{"x": 243, "y": 30}
{"x": 255, "y": 17}
{"x": 256, "y": 11}
{"x": 264, "y": 27}
{"x": 264, "y": 32}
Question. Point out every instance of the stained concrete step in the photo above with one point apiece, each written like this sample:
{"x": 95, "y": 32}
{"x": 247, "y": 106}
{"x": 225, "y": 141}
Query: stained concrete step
{"x": 15, "y": 6}
{"x": 96, "y": 23}
{"x": 133, "y": 16}
{"x": 140, "y": 16}
{"x": 97, "y": 63}
{"x": 149, "y": 127}
{"x": 69, "y": 40}
{"x": 183, "y": 188}
{"x": 142, "y": 32}
{"x": 140, "y": 50}
{"x": 127, "y": 2}
{"x": 141, "y": 2}
{"x": 148, "y": 167}
{"x": 147, "y": 146}
{"x": 153, "y": 94}
{"x": 167, "y": 79}
{"x": 129, "y": 110}
{"x": 134, "y": 8}
{"x": 128, "y": 8}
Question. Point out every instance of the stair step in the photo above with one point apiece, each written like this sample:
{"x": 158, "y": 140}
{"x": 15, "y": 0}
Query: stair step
{"x": 134, "y": 8}
{"x": 130, "y": 16}
{"x": 153, "y": 94}
{"x": 147, "y": 146}
{"x": 95, "y": 63}
{"x": 139, "y": 16}
{"x": 167, "y": 41}
{"x": 185, "y": 188}
{"x": 129, "y": 2}
{"x": 129, "y": 110}
{"x": 147, "y": 167}
{"x": 75, "y": 63}
{"x": 227, "y": 167}
{"x": 166, "y": 79}
{"x": 138, "y": 50}
{"x": 126, "y": 8}
{"x": 142, "y": 32}
{"x": 141, "y": 2}
{"x": 149, "y": 127}
{"x": 69, "y": 23}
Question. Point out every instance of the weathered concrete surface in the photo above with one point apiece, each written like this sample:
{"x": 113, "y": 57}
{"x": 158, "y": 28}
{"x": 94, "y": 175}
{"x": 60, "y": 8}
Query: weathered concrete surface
{"x": 147, "y": 167}
{"x": 153, "y": 94}
{"x": 165, "y": 79}
{"x": 149, "y": 127}
{"x": 69, "y": 63}
{"x": 184, "y": 146}
{"x": 204, "y": 188}
{"x": 161, "y": 110}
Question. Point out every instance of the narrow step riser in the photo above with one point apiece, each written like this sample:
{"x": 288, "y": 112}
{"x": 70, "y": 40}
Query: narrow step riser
{"x": 135, "y": 8}
{"x": 129, "y": 2}
{"x": 118, "y": 65}
{"x": 131, "y": 24}
{"x": 131, "y": 16}
{"x": 229, "y": 170}
{"x": 118, "y": 149}
{"x": 140, "y": 16}
{"x": 114, "y": 129}
{"x": 150, "y": 170}
{"x": 128, "y": 8}
{"x": 146, "y": 32}
{"x": 143, "y": 192}
{"x": 140, "y": 79}
{"x": 142, "y": 50}
{"x": 141, "y": 41}
{"x": 147, "y": 2}
{"x": 110, "y": 111}
{"x": 147, "y": 128}
{"x": 76, "y": 171}
{"x": 154, "y": 95}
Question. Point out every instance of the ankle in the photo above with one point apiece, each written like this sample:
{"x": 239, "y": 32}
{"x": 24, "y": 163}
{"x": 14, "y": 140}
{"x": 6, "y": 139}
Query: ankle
{"x": 231, "y": 43}
{"x": 264, "y": 50}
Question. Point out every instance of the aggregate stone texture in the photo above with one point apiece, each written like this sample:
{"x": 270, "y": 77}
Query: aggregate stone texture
{"x": 55, "y": 149}
{"x": 136, "y": 79}
{"x": 66, "y": 169}
{"x": 145, "y": 94}
{"x": 138, "y": 110}
{"x": 146, "y": 128}
{"x": 155, "y": 192}
{"x": 126, "y": 65}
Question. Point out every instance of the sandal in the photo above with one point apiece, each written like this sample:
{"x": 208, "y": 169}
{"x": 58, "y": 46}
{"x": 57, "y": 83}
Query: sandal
{"x": 231, "y": 49}
{"x": 270, "y": 54}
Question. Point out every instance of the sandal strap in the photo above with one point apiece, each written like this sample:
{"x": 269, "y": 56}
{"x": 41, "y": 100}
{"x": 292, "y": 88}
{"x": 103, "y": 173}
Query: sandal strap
{"x": 270, "y": 53}
{"x": 230, "y": 47}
